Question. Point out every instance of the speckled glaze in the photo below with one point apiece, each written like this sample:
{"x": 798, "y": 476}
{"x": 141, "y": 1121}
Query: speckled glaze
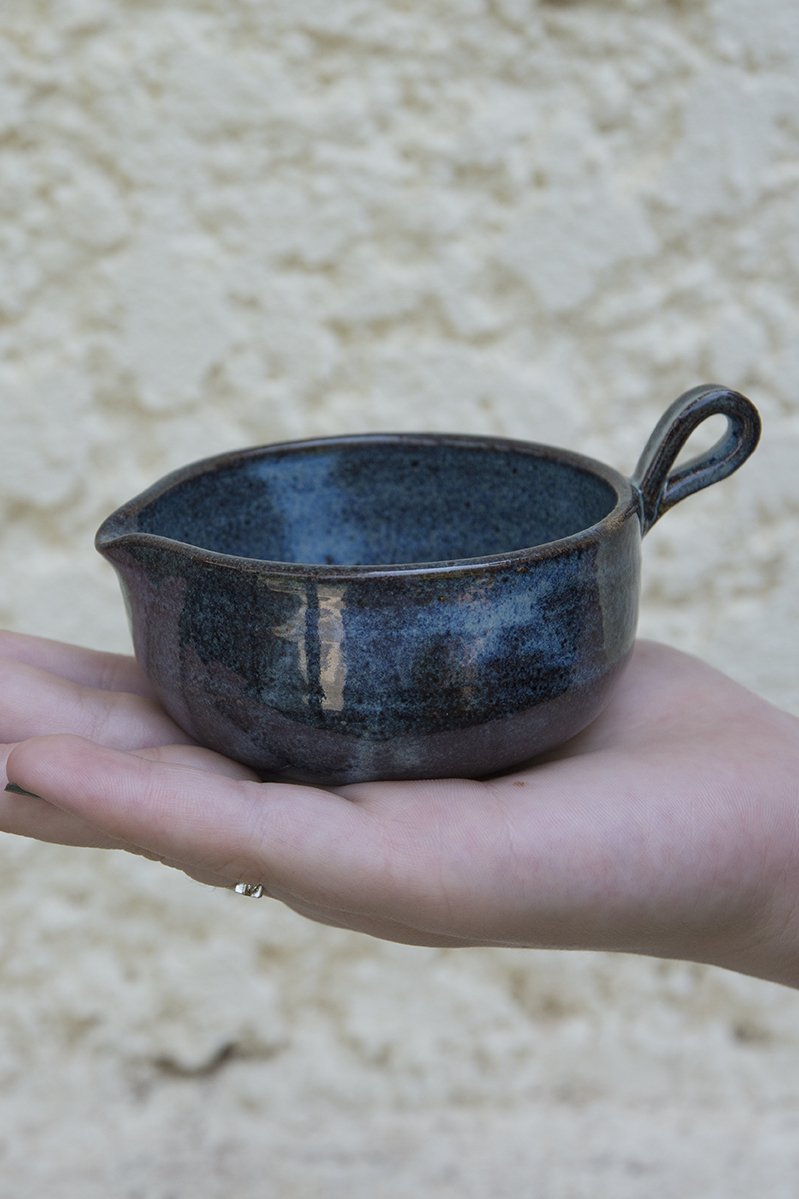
{"x": 399, "y": 605}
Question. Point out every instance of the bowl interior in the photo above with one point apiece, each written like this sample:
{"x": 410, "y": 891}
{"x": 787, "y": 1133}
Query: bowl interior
{"x": 380, "y": 501}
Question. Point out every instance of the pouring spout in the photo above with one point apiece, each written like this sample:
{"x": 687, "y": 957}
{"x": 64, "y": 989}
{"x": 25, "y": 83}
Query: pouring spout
{"x": 115, "y": 534}
{"x": 122, "y": 542}
{"x": 134, "y": 551}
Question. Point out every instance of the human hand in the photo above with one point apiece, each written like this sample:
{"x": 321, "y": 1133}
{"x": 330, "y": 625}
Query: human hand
{"x": 47, "y": 689}
{"x": 670, "y": 827}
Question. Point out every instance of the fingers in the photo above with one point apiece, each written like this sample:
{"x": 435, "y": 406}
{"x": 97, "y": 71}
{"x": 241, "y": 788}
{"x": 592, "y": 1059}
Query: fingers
{"x": 315, "y": 844}
{"x": 30, "y": 816}
{"x": 87, "y": 667}
{"x": 422, "y": 858}
{"x": 420, "y": 868}
{"x": 34, "y": 703}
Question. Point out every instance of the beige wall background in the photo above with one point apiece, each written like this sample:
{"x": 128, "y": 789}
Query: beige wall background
{"x": 225, "y": 223}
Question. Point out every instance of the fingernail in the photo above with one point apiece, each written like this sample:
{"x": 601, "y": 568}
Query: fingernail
{"x": 15, "y": 790}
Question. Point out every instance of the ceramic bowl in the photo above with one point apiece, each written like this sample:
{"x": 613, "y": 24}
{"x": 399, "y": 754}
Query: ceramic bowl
{"x": 399, "y": 605}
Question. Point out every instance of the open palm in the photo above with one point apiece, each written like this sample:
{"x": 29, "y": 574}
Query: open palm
{"x": 669, "y": 827}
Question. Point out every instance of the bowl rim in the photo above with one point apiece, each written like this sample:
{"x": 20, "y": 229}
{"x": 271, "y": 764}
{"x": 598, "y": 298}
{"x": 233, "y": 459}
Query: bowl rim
{"x": 113, "y": 534}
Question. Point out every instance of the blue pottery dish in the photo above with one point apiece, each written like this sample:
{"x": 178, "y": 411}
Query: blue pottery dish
{"x": 396, "y": 606}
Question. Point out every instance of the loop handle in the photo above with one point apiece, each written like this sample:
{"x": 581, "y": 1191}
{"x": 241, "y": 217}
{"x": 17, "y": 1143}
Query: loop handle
{"x": 660, "y": 487}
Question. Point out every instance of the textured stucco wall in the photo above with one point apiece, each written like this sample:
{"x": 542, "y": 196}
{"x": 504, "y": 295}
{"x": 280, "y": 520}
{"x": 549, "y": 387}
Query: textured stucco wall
{"x": 225, "y": 223}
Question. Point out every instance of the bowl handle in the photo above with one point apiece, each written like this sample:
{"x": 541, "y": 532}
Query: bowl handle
{"x": 659, "y": 486}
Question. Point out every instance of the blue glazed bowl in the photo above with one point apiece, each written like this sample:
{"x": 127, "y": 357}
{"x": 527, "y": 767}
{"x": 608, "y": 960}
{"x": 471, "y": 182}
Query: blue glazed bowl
{"x": 399, "y": 605}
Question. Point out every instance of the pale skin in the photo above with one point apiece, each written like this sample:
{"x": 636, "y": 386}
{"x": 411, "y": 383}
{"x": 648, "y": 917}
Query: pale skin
{"x": 669, "y": 828}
